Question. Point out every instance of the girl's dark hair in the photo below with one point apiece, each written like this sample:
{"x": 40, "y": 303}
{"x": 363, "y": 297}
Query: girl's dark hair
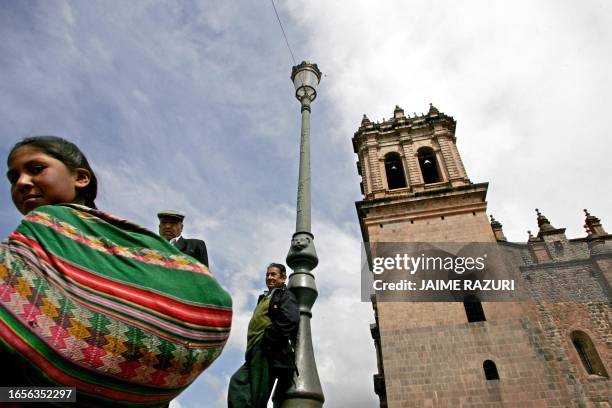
{"x": 69, "y": 154}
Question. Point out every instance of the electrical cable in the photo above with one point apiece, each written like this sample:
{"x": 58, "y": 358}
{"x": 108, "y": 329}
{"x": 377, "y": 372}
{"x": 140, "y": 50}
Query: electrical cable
{"x": 283, "y": 30}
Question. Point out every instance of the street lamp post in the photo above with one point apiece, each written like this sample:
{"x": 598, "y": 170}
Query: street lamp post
{"x": 302, "y": 258}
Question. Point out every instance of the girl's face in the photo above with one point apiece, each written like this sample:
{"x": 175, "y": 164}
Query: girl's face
{"x": 39, "y": 179}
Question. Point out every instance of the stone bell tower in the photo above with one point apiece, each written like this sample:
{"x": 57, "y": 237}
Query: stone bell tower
{"x": 414, "y": 183}
{"x": 415, "y": 189}
{"x": 440, "y": 354}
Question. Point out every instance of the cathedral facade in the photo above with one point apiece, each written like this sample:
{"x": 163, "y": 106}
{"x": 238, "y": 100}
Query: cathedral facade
{"x": 553, "y": 349}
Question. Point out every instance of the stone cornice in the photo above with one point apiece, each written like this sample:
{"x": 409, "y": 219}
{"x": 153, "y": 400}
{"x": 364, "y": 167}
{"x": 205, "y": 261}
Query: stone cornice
{"x": 405, "y": 124}
{"x": 480, "y": 188}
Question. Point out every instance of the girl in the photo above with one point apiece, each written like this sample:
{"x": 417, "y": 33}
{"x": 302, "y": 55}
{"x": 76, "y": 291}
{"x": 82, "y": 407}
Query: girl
{"x": 91, "y": 301}
{"x": 49, "y": 170}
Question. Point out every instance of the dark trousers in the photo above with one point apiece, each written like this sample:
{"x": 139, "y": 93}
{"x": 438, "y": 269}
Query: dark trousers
{"x": 251, "y": 385}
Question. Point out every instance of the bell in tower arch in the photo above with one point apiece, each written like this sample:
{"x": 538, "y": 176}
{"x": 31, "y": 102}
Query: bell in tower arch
{"x": 395, "y": 171}
{"x": 428, "y": 165}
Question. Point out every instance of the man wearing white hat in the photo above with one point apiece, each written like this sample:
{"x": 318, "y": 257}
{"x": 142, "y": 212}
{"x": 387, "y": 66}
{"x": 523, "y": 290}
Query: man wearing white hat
{"x": 171, "y": 228}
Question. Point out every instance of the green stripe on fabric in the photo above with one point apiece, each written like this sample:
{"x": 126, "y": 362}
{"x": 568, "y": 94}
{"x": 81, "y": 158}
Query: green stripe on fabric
{"x": 185, "y": 285}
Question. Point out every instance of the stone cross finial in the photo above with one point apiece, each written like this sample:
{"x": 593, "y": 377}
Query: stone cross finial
{"x": 494, "y": 221}
{"x": 398, "y": 112}
{"x": 543, "y": 222}
{"x": 497, "y": 229}
{"x": 594, "y": 224}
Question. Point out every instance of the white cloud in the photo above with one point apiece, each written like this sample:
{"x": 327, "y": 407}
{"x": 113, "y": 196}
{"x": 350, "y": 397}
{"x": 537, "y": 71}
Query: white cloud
{"x": 190, "y": 107}
{"x": 525, "y": 88}
{"x": 244, "y": 243}
{"x": 176, "y": 404}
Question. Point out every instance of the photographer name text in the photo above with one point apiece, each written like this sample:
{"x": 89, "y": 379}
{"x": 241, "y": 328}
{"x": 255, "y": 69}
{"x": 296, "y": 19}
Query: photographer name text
{"x": 441, "y": 285}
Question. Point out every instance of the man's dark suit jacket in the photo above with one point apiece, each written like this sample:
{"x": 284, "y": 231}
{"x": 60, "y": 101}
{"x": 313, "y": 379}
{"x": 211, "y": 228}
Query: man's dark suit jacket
{"x": 193, "y": 247}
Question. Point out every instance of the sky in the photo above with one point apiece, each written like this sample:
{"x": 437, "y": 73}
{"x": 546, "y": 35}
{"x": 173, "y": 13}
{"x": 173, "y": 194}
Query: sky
{"x": 188, "y": 105}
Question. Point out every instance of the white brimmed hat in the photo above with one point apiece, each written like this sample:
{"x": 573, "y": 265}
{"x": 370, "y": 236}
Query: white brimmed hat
{"x": 172, "y": 214}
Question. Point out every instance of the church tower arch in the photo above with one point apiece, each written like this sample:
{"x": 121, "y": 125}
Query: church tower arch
{"x": 428, "y": 164}
{"x": 394, "y": 170}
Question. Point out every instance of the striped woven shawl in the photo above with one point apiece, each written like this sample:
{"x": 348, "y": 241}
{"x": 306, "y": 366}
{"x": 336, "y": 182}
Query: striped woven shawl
{"x": 92, "y": 301}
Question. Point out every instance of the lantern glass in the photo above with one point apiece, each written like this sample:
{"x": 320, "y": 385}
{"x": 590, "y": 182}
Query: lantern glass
{"x": 305, "y": 80}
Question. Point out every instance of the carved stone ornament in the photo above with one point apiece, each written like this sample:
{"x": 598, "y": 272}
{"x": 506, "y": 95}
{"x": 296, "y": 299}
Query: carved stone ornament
{"x": 299, "y": 242}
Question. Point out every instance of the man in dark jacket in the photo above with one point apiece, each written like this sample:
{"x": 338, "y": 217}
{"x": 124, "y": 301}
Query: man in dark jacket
{"x": 171, "y": 228}
{"x": 269, "y": 356}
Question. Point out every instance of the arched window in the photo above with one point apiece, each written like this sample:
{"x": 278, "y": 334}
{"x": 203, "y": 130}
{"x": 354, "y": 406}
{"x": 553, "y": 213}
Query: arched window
{"x": 588, "y": 354}
{"x": 428, "y": 165}
{"x": 473, "y": 309}
{"x": 490, "y": 370}
{"x": 395, "y": 171}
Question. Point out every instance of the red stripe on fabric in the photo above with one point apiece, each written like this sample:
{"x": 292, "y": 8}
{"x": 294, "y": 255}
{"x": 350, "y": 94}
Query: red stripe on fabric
{"x": 67, "y": 380}
{"x": 221, "y": 337}
{"x": 193, "y": 314}
{"x": 157, "y": 322}
{"x": 149, "y": 322}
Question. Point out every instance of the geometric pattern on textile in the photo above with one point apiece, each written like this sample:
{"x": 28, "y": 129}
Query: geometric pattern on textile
{"x": 102, "y": 304}
{"x": 174, "y": 261}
